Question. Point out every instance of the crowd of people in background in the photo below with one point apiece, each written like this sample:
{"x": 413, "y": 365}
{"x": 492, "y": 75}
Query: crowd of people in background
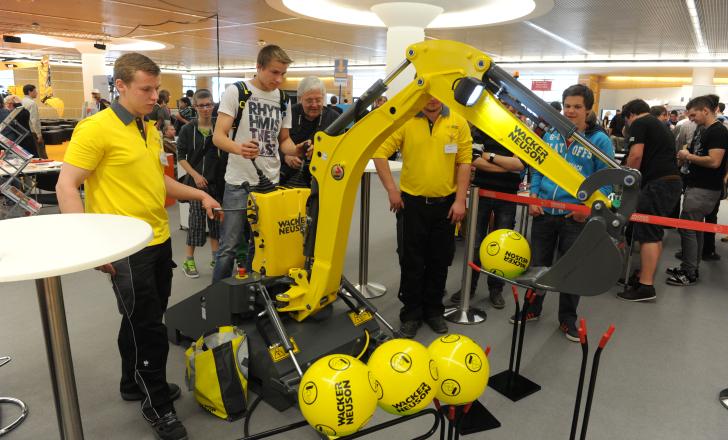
{"x": 224, "y": 148}
{"x": 678, "y": 151}
{"x": 679, "y": 154}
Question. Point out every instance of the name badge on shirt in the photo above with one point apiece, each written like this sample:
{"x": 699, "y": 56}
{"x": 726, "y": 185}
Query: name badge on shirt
{"x": 163, "y": 158}
{"x": 451, "y": 148}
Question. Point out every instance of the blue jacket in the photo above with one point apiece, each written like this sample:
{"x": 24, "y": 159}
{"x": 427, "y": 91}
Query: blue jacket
{"x": 579, "y": 157}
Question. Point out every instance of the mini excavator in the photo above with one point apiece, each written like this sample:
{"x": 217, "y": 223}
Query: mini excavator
{"x": 288, "y": 306}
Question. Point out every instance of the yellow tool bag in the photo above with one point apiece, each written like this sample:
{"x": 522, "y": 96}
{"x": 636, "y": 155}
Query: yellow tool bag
{"x": 217, "y": 372}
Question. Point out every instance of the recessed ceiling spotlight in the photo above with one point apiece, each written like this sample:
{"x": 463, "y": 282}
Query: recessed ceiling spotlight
{"x": 261, "y": 43}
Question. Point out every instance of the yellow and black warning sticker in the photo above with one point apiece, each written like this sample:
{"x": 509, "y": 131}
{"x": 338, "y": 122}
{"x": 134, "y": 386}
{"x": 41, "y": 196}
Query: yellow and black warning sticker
{"x": 278, "y": 353}
{"x": 360, "y": 318}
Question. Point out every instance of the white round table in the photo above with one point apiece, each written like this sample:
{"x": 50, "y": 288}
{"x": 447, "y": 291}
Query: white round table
{"x": 47, "y": 246}
{"x": 368, "y": 288}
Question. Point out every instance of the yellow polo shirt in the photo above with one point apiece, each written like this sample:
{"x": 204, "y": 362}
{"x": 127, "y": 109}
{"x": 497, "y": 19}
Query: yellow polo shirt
{"x": 127, "y": 175}
{"x": 430, "y": 153}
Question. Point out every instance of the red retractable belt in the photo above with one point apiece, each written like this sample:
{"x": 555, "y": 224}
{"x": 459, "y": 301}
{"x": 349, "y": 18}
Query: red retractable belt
{"x": 582, "y": 209}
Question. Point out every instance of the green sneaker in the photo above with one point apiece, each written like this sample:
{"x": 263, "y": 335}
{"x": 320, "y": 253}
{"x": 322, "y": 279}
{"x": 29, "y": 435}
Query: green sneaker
{"x": 190, "y": 268}
{"x": 212, "y": 264}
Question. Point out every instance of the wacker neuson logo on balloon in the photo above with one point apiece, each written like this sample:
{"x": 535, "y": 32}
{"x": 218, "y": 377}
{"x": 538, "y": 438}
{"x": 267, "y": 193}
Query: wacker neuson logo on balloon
{"x": 413, "y": 399}
{"x": 344, "y": 403}
{"x": 515, "y": 259}
{"x": 528, "y": 144}
{"x": 291, "y": 225}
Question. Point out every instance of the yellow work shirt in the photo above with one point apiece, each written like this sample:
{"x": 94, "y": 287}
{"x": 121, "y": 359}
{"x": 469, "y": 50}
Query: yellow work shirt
{"x": 127, "y": 175}
{"x": 430, "y": 153}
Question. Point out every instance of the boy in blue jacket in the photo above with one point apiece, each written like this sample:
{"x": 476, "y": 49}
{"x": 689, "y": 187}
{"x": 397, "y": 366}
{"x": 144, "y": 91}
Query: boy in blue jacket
{"x": 555, "y": 229}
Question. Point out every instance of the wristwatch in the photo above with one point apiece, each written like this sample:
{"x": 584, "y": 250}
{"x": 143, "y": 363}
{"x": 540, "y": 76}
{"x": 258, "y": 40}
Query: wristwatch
{"x": 491, "y": 157}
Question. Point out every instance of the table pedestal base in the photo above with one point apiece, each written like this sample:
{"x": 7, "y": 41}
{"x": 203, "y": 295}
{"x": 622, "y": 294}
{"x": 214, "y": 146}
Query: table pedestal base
{"x": 371, "y": 290}
{"x": 60, "y": 363}
{"x": 470, "y": 316}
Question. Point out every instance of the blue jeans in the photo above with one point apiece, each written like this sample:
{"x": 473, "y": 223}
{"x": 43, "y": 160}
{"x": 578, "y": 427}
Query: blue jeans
{"x": 504, "y": 214}
{"x": 234, "y": 228}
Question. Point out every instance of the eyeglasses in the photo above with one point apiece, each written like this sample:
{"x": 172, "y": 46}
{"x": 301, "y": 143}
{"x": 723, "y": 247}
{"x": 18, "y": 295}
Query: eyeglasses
{"x": 204, "y": 106}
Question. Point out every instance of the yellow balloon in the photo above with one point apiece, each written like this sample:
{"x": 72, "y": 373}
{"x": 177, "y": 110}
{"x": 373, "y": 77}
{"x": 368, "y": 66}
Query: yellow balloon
{"x": 336, "y": 395}
{"x": 463, "y": 369}
{"x": 406, "y": 376}
{"x": 505, "y": 252}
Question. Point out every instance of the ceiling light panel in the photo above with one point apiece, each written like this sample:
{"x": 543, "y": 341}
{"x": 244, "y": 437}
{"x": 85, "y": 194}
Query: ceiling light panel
{"x": 697, "y": 29}
{"x": 714, "y": 23}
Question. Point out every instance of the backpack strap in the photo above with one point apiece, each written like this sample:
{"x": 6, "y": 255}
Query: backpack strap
{"x": 284, "y": 103}
{"x": 243, "y": 96}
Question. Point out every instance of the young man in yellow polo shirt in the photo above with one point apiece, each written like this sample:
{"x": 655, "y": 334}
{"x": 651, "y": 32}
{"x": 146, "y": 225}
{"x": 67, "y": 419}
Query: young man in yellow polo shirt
{"x": 117, "y": 155}
{"x": 436, "y": 154}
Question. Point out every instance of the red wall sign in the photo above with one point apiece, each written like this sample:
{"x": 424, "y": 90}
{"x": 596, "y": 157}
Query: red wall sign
{"x": 541, "y": 86}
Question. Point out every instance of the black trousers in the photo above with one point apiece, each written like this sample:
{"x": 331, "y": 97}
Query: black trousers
{"x": 142, "y": 284}
{"x": 426, "y": 245}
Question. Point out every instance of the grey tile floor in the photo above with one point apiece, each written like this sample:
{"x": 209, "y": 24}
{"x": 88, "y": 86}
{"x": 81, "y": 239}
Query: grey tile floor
{"x": 659, "y": 376}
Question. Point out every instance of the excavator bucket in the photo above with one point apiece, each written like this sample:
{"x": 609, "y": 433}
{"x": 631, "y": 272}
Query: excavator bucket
{"x": 593, "y": 264}
{"x": 590, "y": 267}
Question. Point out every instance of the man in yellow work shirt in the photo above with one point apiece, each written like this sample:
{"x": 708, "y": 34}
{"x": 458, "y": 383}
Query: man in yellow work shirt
{"x": 436, "y": 149}
{"x": 117, "y": 155}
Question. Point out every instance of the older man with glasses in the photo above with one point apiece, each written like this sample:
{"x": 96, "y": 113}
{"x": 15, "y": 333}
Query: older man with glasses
{"x": 309, "y": 115}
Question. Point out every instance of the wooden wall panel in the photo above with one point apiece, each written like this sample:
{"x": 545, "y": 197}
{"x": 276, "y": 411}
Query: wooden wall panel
{"x": 204, "y": 82}
{"x": 173, "y": 83}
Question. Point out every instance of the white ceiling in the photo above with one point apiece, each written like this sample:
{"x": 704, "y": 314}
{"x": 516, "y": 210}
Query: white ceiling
{"x": 608, "y": 29}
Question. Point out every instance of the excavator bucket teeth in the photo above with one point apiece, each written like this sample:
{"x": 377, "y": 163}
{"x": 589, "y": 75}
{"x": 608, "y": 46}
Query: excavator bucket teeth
{"x": 590, "y": 267}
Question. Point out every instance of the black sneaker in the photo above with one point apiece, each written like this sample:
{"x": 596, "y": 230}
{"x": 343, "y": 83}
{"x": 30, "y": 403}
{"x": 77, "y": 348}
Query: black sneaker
{"x": 168, "y": 427}
{"x": 673, "y": 270}
{"x": 437, "y": 324}
{"x": 633, "y": 279}
{"x": 455, "y": 298}
{"x": 174, "y": 393}
{"x": 530, "y": 316}
{"x": 642, "y": 292}
{"x": 408, "y": 329}
{"x": 681, "y": 278}
{"x": 496, "y": 298}
{"x": 711, "y": 257}
{"x": 570, "y": 332}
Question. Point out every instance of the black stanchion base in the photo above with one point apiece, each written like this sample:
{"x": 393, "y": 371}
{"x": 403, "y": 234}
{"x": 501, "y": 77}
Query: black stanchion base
{"x": 512, "y": 385}
{"x": 478, "y": 419}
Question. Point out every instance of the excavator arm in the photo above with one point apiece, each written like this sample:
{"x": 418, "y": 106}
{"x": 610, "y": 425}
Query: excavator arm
{"x": 470, "y": 84}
